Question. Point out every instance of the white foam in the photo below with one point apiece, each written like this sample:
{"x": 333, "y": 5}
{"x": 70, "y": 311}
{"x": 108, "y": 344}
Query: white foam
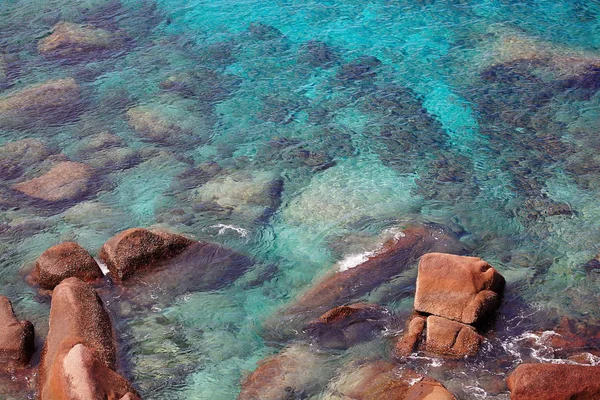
{"x": 102, "y": 266}
{"x": 354, "y": 260}
{"x": 223, "y": 228}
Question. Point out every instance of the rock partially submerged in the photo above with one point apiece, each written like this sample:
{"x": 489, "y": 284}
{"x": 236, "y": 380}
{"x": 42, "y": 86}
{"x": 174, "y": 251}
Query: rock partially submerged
{"x": 138, "y": 248}
{"x": 464, "y": 289}
{"x": 16, "y": 338}
{"x": 74, "y": 40}
{"x": 451, "y": 339}
{"x": 79, "y": 356}
{"x": 554, "y": 381}
{"x": 376, "y": 380}
{"x": 63, "y": 261}
{"x": 52, "y": 102}
{"x": 66, "y": 181}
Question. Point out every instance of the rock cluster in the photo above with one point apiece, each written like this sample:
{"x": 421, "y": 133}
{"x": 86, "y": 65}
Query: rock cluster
{"x": 73, "y": 40}
{"x": 453, "y": 293}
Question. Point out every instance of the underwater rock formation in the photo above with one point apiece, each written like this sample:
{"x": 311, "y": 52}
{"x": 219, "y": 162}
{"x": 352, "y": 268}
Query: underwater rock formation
{"x": 16, "y": 338}
{"x": 63, "y": 261}
{"x": 73, "y": 40}
{"x": 65, "y": 181}
{"x": 79, "y": 356}
{"x": 106, "y": 151}
{"x": 374, "y": 380}
{"x": 344, "y": 326}
{"x": 138, "y": 248}
{"x": 554, "y": 381}
{"x": 52, "y": 102}
{"x": 16, "y": 156}
{"x": 464, "y": 289}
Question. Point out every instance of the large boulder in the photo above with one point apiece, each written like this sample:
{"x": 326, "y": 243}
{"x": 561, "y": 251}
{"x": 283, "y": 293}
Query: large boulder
{"x": 79, "y": 356}
{"x": 16, "y": 338}
{"x": 376, "y": 380}
{"x": 63, "y": 261}
{"x": 16, "y": 156}
{"x": 554, "y": 381}
{"x": 344, "y": 326}
{"x": 296, "y": 372}
{"x": 73, "y": 40}
{"x": 66, "y": 181}
{"x": 52, "y": 102}
{"x": 450, "y": 338}
{"x": 464, "y": 289}
{"x": 138, "y": 248}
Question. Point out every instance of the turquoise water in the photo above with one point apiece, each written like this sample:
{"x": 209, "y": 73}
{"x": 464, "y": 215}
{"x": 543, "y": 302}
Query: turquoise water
{"x": 298, "y": 132}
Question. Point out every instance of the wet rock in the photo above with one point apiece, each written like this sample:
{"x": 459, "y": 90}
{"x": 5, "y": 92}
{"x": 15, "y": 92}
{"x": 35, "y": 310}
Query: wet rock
{"x": 409, "y": 342}
{"x": 348, "y": 285}
{"x": 66, "y": 181}
{"x": 383, "y": 380}
{"x": 248, "y": 195}
{"x": 79, "y": 355}
{"x": 16, "y": 156}
{"x": 139, "y": 248}
{"x": 317, "y": 54}
{"x": 65, "y": 260}
{"x": 74, "y": 40}
{"x": 344, "y": 326}
{"x": 296, "y": 372}
{"x": 451, "y": 339}
{"x": 464, "y": 289}
{"x": 554, "y": 381}
{"x": 52, "y": 102}
{"x": 16, "y": 338}
{"x": 359, "y": 69}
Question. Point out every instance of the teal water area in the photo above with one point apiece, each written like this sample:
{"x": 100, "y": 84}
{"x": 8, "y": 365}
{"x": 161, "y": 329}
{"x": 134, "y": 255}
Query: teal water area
{"x": 298, "y": 132}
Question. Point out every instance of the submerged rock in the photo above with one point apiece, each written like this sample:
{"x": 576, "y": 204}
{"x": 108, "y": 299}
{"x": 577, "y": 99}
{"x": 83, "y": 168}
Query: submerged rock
{"x": 74, "y": 40}
{"x": 317, "y": 54}
{"x": 138, "y": 248}
{"x": 297, "y": 372}
{"x": 16, "y": 156}
{"x": 52, "y": 102}
{"x": 66, "y": 181}
{"x": 554, "y": 381}
{"x": 106, "y": 151}
{"x": 16, "y": 338}
{"x": 359, "y": 69}
{"x": 63, "y": 261}
{"x": 79, "y": 355}
{"x": 376, "y": 380}
{"x": 464, "y": 289}
{"x": 344, "y": 326}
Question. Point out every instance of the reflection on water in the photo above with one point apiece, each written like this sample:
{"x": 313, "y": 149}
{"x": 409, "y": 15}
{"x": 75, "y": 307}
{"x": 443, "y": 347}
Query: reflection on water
{"x": 298, "y": 134}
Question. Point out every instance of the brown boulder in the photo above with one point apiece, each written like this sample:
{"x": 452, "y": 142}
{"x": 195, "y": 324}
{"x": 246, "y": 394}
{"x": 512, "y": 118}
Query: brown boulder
{"x": 344, "y": 326}
{"x": 554, "y": 381}
{"x": 450, "y": 338}
{"x": 378, "y": 380}
{"x": 18, "y": 155}
{"x": 410, "y": 340}
{"x": 63, "y": 261}
{"x": 464, "y": 289}
{"x": 66, "y": 181}
{"x": 54, "y": 101}
{"x": 68, "y": 39}
{"x": 16, "y": 338}
{"x": 138, "y": 248}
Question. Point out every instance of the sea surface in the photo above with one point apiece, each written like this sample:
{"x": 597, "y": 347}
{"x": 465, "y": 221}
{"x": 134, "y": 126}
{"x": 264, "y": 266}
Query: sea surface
{"x": 299, "y": 133}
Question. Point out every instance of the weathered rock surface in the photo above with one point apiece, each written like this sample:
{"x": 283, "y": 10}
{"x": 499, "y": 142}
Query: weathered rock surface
{"x": 343, "y": 326}
{"x": 138, "y": 248}
{"x": 296, "y": 372}
{"x": 79, "y": 356}
{"x": 378, "y": 380}
{"x": 71, "y": 40}
{"x": 394, "y": 257}
{"x": 16, "y": 338}
{"x": 554, "y": 381}
{"x": 66, "y": 181}
{"x": 451, "y": 339}
{"x": 464, "y": 289}
{"x": 63, "y": 261}
{"x": 54, "y": 101}
{"x": 106, "y": 151}
{"x": 18, "y": 155}
{"x": 412, "y": 336}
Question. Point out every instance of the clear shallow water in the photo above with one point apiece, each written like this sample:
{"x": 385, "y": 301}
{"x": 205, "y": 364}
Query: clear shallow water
{"x": 470, "y": 114}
